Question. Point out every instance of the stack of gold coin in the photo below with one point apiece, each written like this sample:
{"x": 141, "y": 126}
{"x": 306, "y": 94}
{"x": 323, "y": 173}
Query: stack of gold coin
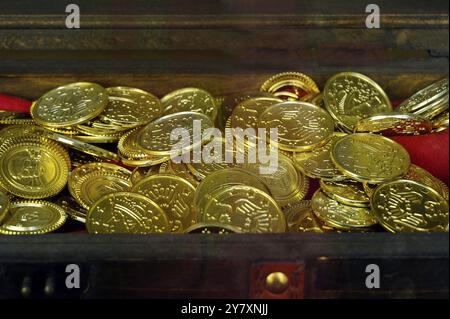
{"x": 166, "y": 168}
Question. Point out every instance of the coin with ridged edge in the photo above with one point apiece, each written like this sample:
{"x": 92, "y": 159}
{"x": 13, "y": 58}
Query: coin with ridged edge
{"x": 408, "y": 206}
{"x": 70, "y": 104}
{"x": 246, "y": 208}
{"x": 174, "y": 195}
{"x": 33, "y": 167}
{"x": 370, "y": 158}
{"x": 32, "y": 218}
{"x": 340, "y": 216}
{"x": 4, "y": 205}
{"x": 128, "y": 213}
{"x": 290, "y": 86}
{"x": 346, "y": 192}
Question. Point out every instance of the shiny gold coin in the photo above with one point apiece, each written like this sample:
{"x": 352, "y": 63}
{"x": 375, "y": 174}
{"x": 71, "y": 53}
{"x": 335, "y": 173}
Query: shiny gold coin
{"x": 17, "y": 121}
{"x": 301, "y": 126}
{"x": 370, "y": 158}
{"x": 174, "y": 195}
{"x": 318, "y": 164}
{"x": 391, "y": 124}
{"x": 126, "y": 213}
{"x": 346, "y": 192}
{"x": 420, "y": 175}
{"x": 426, "y": 96}
{"x": 139, "y": 173}
{"x": 350, "y": 97}
{"x": 4, "y": 205}
{"x": 100, "y": 139}
{"x": 211, "y": 228}
{"x": 190, "y": 100}
{"x": 282, "y": 178}
{"x": 179, "y": 169}
{"x": 130, "y": 106}
{"x": 408, "y": 206}
{"x": 155, "y": 138}
{"x": 225, "y": 178}
{"x": 441, "y": 121}
{"x": 245, "y": 114}
{"x": 290, "y": 86}
{"x": 300, "y": 218}
{"x": 14, "y": 131}
{"x": 72, "y": 209}
{"x": 338, "y": 215}
{"x": 70, "y": 104}
{"x": 434, "y": 109}
{"x": 32, "y": 218}
{"x": 33, "y": 167}
{"x": 246, "y": 208}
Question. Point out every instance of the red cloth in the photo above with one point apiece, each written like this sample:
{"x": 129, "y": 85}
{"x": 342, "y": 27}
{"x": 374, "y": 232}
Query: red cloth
{"x": 14, "y": 104}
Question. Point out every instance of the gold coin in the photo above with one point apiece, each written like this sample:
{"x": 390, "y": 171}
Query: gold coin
{"x": 32, "y": 217}
{"x": 283, "y": 180}
{"x": 391, "y": 124}
{"x": 86, "y": 139}
{"x": 126, "y": 213}
{"x": 72, "y": 209}
{"x": 245, "y": 114}
{"x": 370, "y": 158}
{"x": 174, "y": 195}
{"x": 408, "y": 206}
{"x": 139, "y": 173}
{"x": 130, "y": 106}
{"x": 82, "y": 146}
{"x": 420, "y": 175}
{"x": 225, "y": 178}
{"x": 179, "y": 169}
{"x": 83, "y": 174}
{"x": 190, "y": 100}
{"x": 350, "y": 96}
{"x": 33, "y": 167}
{"x": 290, "y": 86}
{"x": 132, "y": 154}
{"x": 246, "y": 208}
{"x": 14, "y": 121}
{"x": 424, "y": 97}
{"x": 300, "y": 218}
{"x": 442, "y": 120}
{"x": 157, "y": 137}
{"x": 347, "y": 192}
{"x": 338, "y": 215}
{"x": 14, "y": 131}
{"x": 4, "y": 205}
{"x": 211, "y": 228}
{"x": 434, "y": 109}
{"x": 301, "y": 126}
{"x": 318, "y": 163}
{"x": 70, "y": 104}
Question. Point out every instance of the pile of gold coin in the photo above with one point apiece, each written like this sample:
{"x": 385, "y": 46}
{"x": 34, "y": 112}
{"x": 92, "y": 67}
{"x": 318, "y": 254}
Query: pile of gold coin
{"x": 143, "y": 180}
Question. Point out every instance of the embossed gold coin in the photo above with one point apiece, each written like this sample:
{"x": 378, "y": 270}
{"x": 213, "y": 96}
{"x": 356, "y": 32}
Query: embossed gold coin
{"x": 370, "y": 158}
{"x": 32, "y": 218}
{"x": 190, "y": 100}
{"x": 420, "y": 175}
{"x": 408, "y": 206}
{"x": 70, "y": 104}
{"x": 225, "y": 178}
{"x": 33, "y": 167}
{"x": 174, "y": 195}
{"x": 300, "y": 218}
{"x": 245, "y": 114}
{"x": 211, "y": 228}
{"x": 338, "y": 215}
{"x": 179, "y": 169}
{"x": 346, "y": 192}
{"x": 156, "y": 138}
{"x": 282, "y": 178}
{"x": 131, "y": 106}
{"x": 428, "y": 95}
{"x": 290, "y": 86}
{"x": 301, "y": 126}
{"x": 391, "y": 124}
{"x": 246, "y": 208}
{"x": 350, "y": 96}
{"x": 318, "y": 163}
{"x": 4, "y": 205}
{"x": 125, "y": 212}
